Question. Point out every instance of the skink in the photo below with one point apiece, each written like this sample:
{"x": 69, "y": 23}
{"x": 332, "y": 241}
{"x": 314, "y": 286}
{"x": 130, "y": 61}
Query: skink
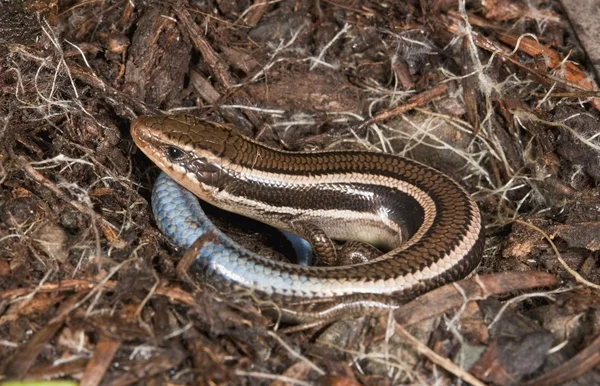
{"x": 429, "y": 224}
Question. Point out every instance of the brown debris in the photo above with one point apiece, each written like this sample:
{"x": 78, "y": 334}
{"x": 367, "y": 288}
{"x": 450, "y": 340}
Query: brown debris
{"x": 414, "y": 101}
{"x": 580, "y": 235}
{"x": 497, "y": 96}
{"x": 454, "y": 295}
{"x": 570, "y": 77}
{"x": 509, "y": 358}
{"x": 159, "y": 55}
{"x": 18, "y": 366}
{"x": 101, "y": 358}
{"x": 580, "y": 364}
{"x": 308, "y": 91}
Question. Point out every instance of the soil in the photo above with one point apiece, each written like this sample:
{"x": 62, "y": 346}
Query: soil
{"x": 505, "y": 104}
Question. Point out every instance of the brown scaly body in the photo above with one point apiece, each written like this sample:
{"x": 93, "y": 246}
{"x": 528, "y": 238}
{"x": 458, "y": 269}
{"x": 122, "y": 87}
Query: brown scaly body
{"x": 429, "y": 223}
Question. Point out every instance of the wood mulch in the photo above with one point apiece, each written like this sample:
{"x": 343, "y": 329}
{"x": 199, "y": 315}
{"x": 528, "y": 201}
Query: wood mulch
{"x": 499, "y": 94}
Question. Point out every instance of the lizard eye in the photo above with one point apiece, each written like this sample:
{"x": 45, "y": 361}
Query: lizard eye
{"x": 173, "y": 153}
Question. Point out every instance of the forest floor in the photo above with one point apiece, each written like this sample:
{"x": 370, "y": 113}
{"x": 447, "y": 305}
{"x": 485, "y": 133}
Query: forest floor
{"x": 498, "y": 94}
